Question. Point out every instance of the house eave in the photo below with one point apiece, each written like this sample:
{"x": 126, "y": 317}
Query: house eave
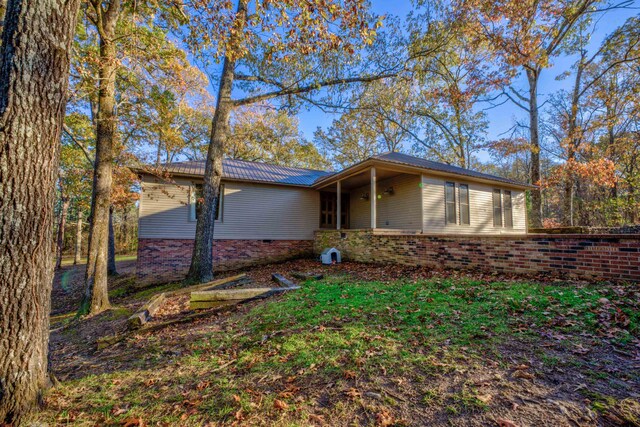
{"x": 403, "y": 167}
{"x": 141, "y": 172}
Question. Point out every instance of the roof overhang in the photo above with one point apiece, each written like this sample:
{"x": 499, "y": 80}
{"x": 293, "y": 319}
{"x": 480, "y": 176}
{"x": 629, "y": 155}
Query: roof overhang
{"x": 358, "y": 168}
{"x": 142, "y": 171}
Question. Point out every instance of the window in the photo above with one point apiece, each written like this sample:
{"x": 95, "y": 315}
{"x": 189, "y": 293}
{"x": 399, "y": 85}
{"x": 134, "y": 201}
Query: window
{"x": 450, "y": 202}
{"x": 508, "y": 210}
{"x": 497, "y": 208}
{"x": 327, "y": 210}
{"x": 464, "y": 204}
{"x": 196, "y": 199}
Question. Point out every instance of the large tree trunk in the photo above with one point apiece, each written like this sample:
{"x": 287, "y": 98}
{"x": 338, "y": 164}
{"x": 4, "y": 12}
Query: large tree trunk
{"x": 96, "y": 298}
{"x": 534, "y": 141}
{"x": 111, "y": 265}
{"x": 201, "y": 269}
{"x": 61, "y": 226}
{"x": 78, "y": 252}
{"x": 34, "y": 71}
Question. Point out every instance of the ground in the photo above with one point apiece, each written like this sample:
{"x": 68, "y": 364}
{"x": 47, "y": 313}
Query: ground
{"x": 366, "y": 345}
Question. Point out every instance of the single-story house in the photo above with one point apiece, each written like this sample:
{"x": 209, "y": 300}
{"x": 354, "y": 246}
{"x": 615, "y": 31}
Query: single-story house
{"x": 269, "y": 213}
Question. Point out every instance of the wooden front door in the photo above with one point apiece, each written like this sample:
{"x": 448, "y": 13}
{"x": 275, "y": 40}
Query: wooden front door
{"x": 329, "y": 210}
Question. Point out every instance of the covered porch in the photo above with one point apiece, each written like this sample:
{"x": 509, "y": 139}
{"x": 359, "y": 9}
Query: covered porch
{"x": 372, "y": 197}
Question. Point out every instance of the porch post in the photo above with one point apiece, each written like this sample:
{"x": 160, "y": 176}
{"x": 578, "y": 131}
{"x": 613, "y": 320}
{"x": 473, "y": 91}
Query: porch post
{"x": 373, "y": 197}
{"x": 338, "y": 204}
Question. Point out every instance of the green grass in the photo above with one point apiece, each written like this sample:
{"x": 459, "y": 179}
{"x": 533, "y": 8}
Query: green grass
{"x": 337, "y": 332}
{"x": 68, "y": 259}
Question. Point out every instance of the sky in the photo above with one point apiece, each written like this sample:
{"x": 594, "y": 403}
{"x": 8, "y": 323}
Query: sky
{"x": 502, "y": 118}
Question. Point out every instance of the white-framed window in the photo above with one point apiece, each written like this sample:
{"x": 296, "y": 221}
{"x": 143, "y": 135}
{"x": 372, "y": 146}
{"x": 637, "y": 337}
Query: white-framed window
{"x": 450, "y": 202}
{"x": 508, "y": 209}
{"x": 497, "y": 207}
{"x": 196, "y": 199}
{"x": 465, "y": 216}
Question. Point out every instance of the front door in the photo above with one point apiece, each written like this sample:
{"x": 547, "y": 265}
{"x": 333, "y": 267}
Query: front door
{"x": 329, "y": 210}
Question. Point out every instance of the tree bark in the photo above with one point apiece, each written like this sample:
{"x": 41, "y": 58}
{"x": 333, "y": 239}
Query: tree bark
{"x": 34, "y": 72}
{"x": 534, "y": 141}
{"x": 111, "y": 268}
{"x": 572, "y": 143}
{"x": 201, "y": 269}
{"x": 96, "y": 297}
{"x": 61, "y": 226}
{"x": 78, "y": 252}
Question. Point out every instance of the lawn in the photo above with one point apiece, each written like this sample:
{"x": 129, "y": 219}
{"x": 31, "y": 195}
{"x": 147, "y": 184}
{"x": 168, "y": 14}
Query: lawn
{"x": 347, "y": 351}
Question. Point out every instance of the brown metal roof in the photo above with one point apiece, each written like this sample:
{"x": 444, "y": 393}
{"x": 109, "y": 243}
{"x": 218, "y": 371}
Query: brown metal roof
{"x": 440, "y": 167}
{"x": 251, "y": 171}
{"x": 264, "y": 172}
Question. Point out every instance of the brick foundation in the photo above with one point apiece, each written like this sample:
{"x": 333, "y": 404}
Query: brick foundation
{"x": 611, "y": 257}
{"x": 162, "y": 260}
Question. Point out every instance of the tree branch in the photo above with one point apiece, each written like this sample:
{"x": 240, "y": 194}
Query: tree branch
{"x": 84, "y": 149}
{"x": 309, "y": 88}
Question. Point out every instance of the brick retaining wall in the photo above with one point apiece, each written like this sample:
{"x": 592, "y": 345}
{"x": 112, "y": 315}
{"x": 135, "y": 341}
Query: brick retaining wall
{"x": 613, "y": 257}
{"x": 162, "y": 260}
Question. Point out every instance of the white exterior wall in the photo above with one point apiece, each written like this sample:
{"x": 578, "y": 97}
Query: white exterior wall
{"x": 400, "y": 211}
{"x": 480, "y": 208}
{"x": 249, "y": 211}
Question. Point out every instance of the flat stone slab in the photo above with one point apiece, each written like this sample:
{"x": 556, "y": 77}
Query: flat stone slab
{"x": 236, "y": 294}
{"x": 306, "y": 275}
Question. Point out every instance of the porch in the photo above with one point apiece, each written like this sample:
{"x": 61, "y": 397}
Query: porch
{"x": 372, "y": 198}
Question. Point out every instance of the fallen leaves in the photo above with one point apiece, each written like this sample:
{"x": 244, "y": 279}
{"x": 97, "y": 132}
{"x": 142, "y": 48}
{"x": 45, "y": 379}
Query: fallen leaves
{"x": 384, "y": 418}
{"x": 352, "y": 393}
{"x": 505, "y": 423}
{"x": 133, "y": 422}
{"x": 280, "y": 405}
{"x": 484, "y": 398}
{"x": 521, "y": 372}
{"x": 349, "y": 375}
{"x": 318, "y": 419}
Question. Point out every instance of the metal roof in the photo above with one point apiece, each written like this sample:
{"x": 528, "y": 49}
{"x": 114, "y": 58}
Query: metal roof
{"x": 440, "y": 167}
{"x": 264, "y": 172}
{"x": 251, "y": 171}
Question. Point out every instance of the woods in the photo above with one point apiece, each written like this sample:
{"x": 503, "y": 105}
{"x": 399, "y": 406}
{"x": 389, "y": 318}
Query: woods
{"x": 541, "y": 92}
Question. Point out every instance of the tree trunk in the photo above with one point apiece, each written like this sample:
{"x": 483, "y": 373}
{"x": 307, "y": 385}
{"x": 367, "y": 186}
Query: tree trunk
{"x": 572, "y": 143}
{"x": 61, "y": 226}
{"x": 96, "y": 298}
{"x": 534, "y": 141}
{"x": 78, "y": 253}
{"x": 34, "y": 72}
{"x": 201, "y": 269}
{"x": 111, "y": 268}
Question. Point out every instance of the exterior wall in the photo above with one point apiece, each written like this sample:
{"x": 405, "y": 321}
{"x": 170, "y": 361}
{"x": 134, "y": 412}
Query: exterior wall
{"x": 400, "y": 211}
{"x": 480, "y": 208}
{"x": 162, "y": 260}
{"x": 611, "y": 257}
{"x": 249, "y": 211}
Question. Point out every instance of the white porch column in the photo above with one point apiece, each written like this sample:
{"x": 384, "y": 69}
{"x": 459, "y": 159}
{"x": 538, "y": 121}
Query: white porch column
{"x": 338, "y": 204}
{"x": 373, "y": 197}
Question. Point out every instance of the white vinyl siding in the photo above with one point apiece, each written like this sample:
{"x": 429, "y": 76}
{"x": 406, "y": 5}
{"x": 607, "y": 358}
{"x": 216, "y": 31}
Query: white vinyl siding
{"x": 400, "y": 210}
{"x": 251, "y": 211}
{"x": 480, "y": 208}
